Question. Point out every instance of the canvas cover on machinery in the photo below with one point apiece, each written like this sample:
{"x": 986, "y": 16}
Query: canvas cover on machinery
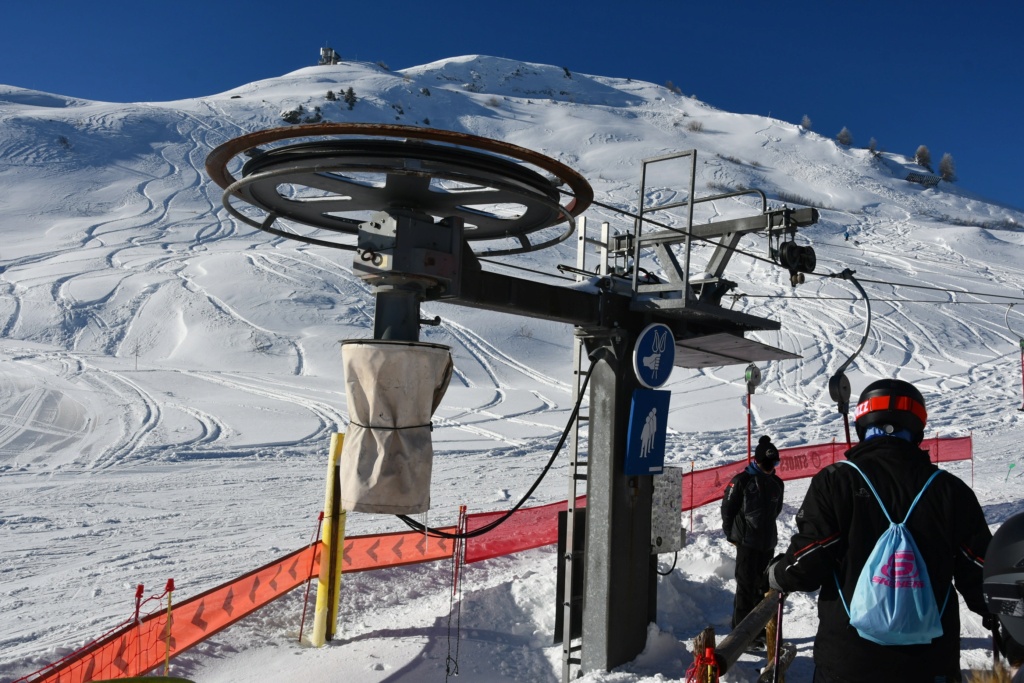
{"x": 393, "y": 389}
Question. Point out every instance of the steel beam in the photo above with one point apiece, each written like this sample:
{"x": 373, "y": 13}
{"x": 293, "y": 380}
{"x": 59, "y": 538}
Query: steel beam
{"x": 504, "y": 294}
{"x": 620, "y": 585}
{"x": 773, "y": 219}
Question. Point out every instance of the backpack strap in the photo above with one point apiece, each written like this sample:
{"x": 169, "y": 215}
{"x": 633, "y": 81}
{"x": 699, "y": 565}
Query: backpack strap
{"x": 886, "y": 513}
{"x": 879, "y": 498}
{"x": 839, "y": 589}
{"x": 919, "y": 494}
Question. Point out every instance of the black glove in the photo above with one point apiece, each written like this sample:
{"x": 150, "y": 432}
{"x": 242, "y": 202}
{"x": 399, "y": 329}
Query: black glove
{"x": 998, "y": 634}
{"x": 990, "y": 622}
{"x": 772, "y": 581}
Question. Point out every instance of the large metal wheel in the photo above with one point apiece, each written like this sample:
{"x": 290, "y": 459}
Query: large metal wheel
{"x": 341, "y": 173}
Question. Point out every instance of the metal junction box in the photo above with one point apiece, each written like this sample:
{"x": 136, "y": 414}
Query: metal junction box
{"x": 666, "y": 512}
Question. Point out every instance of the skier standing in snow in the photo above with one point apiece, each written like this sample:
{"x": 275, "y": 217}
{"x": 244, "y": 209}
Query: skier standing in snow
{"x": 840, "y": 522}
{"x": 752, "y": 503}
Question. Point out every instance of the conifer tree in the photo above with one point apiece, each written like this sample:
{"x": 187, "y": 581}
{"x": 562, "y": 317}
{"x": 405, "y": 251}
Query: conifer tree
{"x": 844, "y": 137}
{"x": 923, "y": 157}
{"x": 350, "y": 97}
{"x": 947, "y": 169}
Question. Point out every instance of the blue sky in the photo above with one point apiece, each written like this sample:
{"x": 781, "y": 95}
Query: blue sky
{"x": 944, "y": 74}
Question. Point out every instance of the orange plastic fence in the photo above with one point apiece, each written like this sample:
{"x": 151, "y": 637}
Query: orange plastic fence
{"x": 526, "y": 528}
{"x": 707, "y": 486}
{"x": 141, "y": 647}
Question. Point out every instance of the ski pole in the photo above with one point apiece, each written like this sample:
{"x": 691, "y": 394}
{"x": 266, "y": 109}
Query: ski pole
{"x": 712, "y": 663}
{"x": 309, "y": 579}
{"x": 776, "y": 675}
{"x": 169, "y": 589}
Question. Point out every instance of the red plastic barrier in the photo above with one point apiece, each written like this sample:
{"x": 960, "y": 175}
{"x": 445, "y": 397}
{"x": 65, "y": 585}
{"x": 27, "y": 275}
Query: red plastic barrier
{"x": 526, "y": 528}
{"x": 949, "y": 449}
{"x": 391, "y": 550}
{"x": 535, "y": 527}
{"x": 141, "y": 647}
{"x": 707, "y": 486}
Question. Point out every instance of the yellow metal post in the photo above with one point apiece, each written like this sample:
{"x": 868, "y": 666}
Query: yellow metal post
{"x": 328, "y": 590}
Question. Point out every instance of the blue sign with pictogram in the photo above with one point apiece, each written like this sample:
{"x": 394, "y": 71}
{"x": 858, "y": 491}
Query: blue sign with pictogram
{"x": 653, "y": 355}
{"x": 648, "y": 425}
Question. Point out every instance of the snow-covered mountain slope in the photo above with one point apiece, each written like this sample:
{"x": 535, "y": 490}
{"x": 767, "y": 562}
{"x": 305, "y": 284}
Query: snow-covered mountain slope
{"x": 171, "y": 376}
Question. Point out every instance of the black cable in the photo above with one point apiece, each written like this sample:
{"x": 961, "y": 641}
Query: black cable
{"x": 1006, "y": 321}
{"x": 889, "y": 254}
{"x": 528, "y": 270}
{"x": 877, "y": 252}
{"x": 899, "y": 284}
{"x": 813, "y": 297}
{"x": 417, "y": 526}
{"x": 675, "y": 558}
{"x": 910, "y": 286}
{"x": 737, "y": 250}
{"x": 847, "y": 274}
{"x": 877, "y": 300}
{"x": 939, "y": 289}
{"x": 838, "y": 384}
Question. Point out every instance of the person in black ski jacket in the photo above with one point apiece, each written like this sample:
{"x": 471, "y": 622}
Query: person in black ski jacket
{"x": 840, "y": 521}
{"x": 752, "y": 503}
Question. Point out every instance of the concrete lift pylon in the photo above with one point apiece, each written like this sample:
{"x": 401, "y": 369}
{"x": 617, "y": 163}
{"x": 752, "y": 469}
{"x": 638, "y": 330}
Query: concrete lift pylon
{"x": 436, "y": 202}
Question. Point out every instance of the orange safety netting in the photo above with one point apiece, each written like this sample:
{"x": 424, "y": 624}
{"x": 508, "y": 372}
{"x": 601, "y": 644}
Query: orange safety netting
{"x": 143, "y": 646}
{"x": 707, "y": 486}
{"x": 526, "y": 528}
{"x": 140, "y": 647}
{"x": 536, "y": 527}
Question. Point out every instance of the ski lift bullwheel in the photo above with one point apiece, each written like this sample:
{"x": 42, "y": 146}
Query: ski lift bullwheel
{"x": 331, "y": 175}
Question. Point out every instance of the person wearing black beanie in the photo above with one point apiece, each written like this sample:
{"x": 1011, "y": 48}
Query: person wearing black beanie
{"x": 750, "y": 508}
{"x": 766, "y": 454}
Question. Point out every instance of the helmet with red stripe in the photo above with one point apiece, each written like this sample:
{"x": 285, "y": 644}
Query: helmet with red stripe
{"x": 891, "y": 405}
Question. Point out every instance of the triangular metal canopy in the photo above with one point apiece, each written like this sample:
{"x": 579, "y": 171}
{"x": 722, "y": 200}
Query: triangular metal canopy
{"x": 725, "y": 349}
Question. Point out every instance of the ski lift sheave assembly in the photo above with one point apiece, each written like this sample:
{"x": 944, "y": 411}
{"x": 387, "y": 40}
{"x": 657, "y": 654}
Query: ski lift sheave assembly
{"x": 420, "y": 208}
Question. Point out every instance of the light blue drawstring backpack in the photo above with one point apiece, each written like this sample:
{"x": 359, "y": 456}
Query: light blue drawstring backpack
{"x": 893, "y": 602}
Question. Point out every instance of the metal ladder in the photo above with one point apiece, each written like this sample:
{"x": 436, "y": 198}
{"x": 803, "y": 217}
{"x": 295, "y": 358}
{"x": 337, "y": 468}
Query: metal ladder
{"x": 573, "y": 608}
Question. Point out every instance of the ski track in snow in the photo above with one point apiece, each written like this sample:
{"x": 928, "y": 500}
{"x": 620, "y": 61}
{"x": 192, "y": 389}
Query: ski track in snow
{"x": 173, "y": 376}
{"x": 486, "y": 356}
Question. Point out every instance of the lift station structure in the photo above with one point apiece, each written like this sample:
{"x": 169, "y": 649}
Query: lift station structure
{"x": 422, "y": 209}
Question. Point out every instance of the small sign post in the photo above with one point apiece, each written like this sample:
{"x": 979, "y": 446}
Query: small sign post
{"x": 648, "y": 425}
{"x": 653, "y": 355}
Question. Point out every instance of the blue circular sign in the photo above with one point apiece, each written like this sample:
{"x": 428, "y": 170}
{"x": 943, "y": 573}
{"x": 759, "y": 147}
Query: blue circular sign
{"x": 654, "y": 354}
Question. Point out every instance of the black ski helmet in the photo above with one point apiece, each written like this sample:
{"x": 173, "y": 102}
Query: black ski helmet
{"x": 892, "y": 405}
{"x": 1004, "y": 576}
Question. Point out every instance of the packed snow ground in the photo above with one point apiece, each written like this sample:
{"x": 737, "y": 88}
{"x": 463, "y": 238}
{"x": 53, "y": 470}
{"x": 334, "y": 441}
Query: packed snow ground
{"x": 171, "y": 376}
